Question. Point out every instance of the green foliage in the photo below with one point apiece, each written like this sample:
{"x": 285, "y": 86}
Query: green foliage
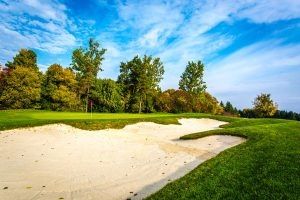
{"x": 59, "y": 89}
{"x": 179, "y": 101}
{"x": 192, "y": 78}
{"x": 206, "y": 103}
{"x": 222, "y": 104}
{"x": 64, "y": 99}
{"x": 22, "y": 88}
{"x": 229, "y": 109}
{"x": 87, "y": 64}
{"x": 25, "y": 58}
{"x": 106, "y": 95}
{"x": 3, "y": 74}
{"x": 175, "y": 101}
{"x": 137, "y": 88}
{"x": 264, "y": 106}
{"x": 247, "y": 113}
{"x": 139, "y": 78}
{"x": 282, "y": 114}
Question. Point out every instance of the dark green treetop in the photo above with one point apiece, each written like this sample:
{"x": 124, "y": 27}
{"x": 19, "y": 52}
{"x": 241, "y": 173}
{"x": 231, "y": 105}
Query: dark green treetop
{"x": 140, "y": 77}
{"x": 87, "y": 63}
{"x": 25, "y": 58}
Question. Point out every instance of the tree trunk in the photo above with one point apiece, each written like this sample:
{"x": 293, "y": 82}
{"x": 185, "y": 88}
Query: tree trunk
{"x": 140, "y": 106}
{"x": 87, "y": 100}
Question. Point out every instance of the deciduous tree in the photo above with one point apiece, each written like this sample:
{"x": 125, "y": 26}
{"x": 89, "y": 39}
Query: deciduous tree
{"x": 87, "y": 63}
{"x": 22, "y": 89}
{"x": 59, "y": 89}
{"x": 192, "y": 78}
{"x": 264, "y": 106}
{"x": 139, "y": 77}
{"x": 106, "y": 95}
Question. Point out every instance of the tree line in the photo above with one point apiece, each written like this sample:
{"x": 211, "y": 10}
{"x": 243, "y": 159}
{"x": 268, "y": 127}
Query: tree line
{"x": 263, "y": 107}
{"x": 78, "y": 88}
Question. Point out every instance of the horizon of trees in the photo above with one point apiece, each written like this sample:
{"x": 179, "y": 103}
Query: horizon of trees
{"x": 77, "y": 88}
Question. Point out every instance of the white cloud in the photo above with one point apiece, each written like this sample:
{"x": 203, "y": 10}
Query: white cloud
{"x": 269, "y": 67}
{"x": 46, "y": 9}
{"x": 176, "y": 31}
{"x": 34, "y": 24}
{"x": 253, "y": 67}
{"x": 266, "y": 11}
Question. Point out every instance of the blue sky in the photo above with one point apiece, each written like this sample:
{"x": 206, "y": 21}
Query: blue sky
{"x": 248, "y": 46}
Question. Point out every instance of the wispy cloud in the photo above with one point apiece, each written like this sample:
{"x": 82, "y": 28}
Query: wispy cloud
{"x": 184, "y": 35}
{"x": 42, "y": 25}
{"x": 262, "y": 67}
{"x": 240, "y": 63}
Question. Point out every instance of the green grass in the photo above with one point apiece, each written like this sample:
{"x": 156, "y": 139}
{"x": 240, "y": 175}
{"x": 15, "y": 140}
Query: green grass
{"x": 27, "y": 118}
{"x": 266, "y": 166}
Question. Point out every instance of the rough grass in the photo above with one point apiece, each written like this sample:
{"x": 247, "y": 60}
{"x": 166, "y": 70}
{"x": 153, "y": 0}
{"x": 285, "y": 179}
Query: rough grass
{"x": 266, "y": 166}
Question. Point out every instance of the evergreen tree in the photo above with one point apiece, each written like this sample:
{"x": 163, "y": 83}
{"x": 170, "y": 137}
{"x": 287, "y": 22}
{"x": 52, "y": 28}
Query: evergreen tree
{"x": 25, "y": 58}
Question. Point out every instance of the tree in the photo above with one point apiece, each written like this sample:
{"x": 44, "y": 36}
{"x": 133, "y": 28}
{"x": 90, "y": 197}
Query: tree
{"x": 106, "y": 96}
{"x": 264, "y": 106}
{"x": 282, "y": 114}
{"x": 192, "y": 78}
{"x": 139, "y": 78}
{"x": 3, "y": 73}
{"x": 87, "y": 64}
{"x": 59, "y": 89}
{"x": 25, "y": 58}
{"x": 22, "y": 89}
{"x": 247, "y": 113}
{"x": 164, "y": 101}
{"x": 207, "y": 104}
{"x": 228, "y": 107}
{"x": 178, "y": 101}
{"x": 222, "y": 104}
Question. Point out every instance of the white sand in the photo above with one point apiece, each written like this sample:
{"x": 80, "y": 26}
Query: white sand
{"x": 59, "y": 161}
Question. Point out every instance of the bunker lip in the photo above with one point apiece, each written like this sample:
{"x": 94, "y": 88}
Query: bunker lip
{"x": 59, "y": 161}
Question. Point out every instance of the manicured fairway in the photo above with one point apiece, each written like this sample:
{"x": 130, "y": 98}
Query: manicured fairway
{"x": 26, "y": 118}
{"x": 267, "y": 166}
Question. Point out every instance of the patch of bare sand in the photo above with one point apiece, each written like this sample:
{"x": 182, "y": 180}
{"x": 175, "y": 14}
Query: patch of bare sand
{"x": 62, "y": 162}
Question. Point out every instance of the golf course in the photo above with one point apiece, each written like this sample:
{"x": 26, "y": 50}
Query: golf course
{"x": 265, "y": 166}
{"x": 164, "y": 100}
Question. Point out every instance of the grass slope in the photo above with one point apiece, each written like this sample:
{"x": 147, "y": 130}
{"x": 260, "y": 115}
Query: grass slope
{"x": 267, "y": 166}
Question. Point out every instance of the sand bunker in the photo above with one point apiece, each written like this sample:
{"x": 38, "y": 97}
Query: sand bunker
{"x": 62, "y": 162}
